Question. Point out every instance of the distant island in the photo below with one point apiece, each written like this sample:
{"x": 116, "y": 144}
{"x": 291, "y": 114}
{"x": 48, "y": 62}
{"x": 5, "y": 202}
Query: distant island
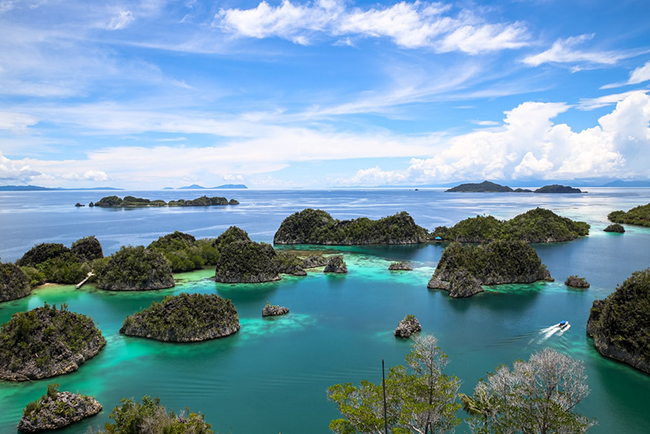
{"x": 315, "y": 226}
{"x": 491, "y": 187}
{"x": 538, "y": 225}
{"x": 38, "y": 188}
{"x": 224, "y": 186}
{"x": 639, "y": 216}
{"x": 138, "y": 202}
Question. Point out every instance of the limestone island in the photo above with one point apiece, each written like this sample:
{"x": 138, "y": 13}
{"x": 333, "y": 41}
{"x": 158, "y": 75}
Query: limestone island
{"x": 407, "y": 327}
{"x": 274, "y": 310}
{"x": 577, "y": 282}
{"x": 538, "y": 225}
{"x": 620, "y": 324}
{"x": 616, "y": 228}
{"x": 557, "y": 188}
{"x": 13, "y": 282}
{"x": 135, "y": 269}
{"x": 496, "y": 263}
{"x": 315, "y": 226}
{"x": 336, "y": 264}
{"x": 400, "y": 266}
{"x": 184, "y": 318}
{"x": 45, "y": 342}
{"x": 56, "y": 263}
{"x": 139, "y": 202}
{"x": 56, "y": 410}
{"x": 639, "y": 216}
{"x": 492, "y": 187}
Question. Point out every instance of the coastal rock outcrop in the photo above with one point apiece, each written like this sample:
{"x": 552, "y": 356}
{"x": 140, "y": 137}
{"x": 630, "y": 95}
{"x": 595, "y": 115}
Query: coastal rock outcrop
{"x": 576, "y": 282}
{"x": 135, "y": 269}
{"x": 313, "y": 226}
{"x": 620, "y": 324}
{"x": 463, "y": 285}
{"x": 407, "y": 327}
{"x": 45, "y": 342}
{"x": 14, "y": 283}
{"x": 400, "y": 266}
{"x": 56, "y": 410}
{"x": 274, "y": 310}
{"x": 184, "y": 318}
{"x": 615, "y": 227}
{"x": 246, "y": 262}
{"x": 336, "y": 264}
{"x": 496, "y": 263}
{"x": 314, "y": 261}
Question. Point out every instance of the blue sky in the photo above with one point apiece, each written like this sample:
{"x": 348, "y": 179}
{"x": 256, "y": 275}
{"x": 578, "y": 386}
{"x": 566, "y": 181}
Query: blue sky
{"x": 314, "y": 94}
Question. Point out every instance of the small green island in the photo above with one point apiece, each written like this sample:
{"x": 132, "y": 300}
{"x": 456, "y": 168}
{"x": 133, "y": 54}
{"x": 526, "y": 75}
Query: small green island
{"x": 463, "y": 268}
{"x": 538, "y": 225}
{"x": 184, "y": 318}
{"x": 139, "y": 202}
{"x": 45, "y": 342}
{"x": 56, "y": 410}
{"x": 638, "y": 216}
{"x": 134, "y": 269}
{"x": 315, "y": 226}
{"x": 492, "y": 187}
{"x": 620, "y": 324}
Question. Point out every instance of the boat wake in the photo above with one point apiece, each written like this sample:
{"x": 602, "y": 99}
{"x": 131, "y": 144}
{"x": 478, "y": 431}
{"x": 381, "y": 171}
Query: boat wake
{"x": 546, "y": 333}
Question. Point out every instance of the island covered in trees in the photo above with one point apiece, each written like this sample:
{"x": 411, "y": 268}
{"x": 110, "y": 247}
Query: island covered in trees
{"x": 620, "y": 324}
{"x": 184, "y": 318}
{"x": 315, "y": 226}
{"x": 45, "y": 342}
{"x": 492, "y": 187}
{"x": 639, "y": 216}
{"x": 138, "y": 202}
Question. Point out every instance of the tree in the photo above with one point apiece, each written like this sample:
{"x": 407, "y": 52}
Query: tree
{"x": 420, "y": 398}
{"x": 537, "y": 396}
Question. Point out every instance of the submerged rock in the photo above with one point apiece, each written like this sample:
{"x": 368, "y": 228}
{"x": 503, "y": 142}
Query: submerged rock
{"x": 57, "y": 410}
{"x": 407, "y": 327}
{"x": 400, "y": 266}
{"x": 274, "y": 310}
{"x": 576, "y": 282}
{"x": 336, "y": 264}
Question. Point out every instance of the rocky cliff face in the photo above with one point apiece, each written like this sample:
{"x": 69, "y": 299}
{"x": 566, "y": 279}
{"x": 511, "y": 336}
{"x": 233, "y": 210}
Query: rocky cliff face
{"x": 576, "y": 282}
{"x": 400, "y": 266}
{"x": 274, "y": 310}
{"x": 46, "y": 342}
{"x": 620, "y": 324}
{"x": 407, "y": 327}
{"x": 184, "y": 318}
{"x": 56, "y": 412}
{"x": 247, "y": 262}
{"x": 14, "y": 283}
{"x": 336, "y": 264}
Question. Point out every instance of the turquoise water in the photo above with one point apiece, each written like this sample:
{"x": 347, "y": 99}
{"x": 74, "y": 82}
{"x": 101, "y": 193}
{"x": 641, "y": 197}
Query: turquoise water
{"x": 271, "y": 377}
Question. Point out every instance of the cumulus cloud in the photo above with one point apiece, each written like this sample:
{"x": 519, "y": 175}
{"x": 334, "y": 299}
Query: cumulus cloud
{"x": 11, "y": 171}
{"x": 565, "y": 51}
{"x": 410, "y": 25}
{"x": 121, "y": 21}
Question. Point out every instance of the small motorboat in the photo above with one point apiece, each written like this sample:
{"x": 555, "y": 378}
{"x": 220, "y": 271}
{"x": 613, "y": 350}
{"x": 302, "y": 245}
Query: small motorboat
{"x": 563, "y": 325}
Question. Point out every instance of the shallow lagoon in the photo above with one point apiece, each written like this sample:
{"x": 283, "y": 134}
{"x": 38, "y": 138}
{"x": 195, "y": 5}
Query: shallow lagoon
{"x": 272, "y": 375}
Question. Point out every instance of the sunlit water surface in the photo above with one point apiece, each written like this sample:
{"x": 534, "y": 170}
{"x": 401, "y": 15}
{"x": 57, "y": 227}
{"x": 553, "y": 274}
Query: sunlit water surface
{"x": 271, "y": 377}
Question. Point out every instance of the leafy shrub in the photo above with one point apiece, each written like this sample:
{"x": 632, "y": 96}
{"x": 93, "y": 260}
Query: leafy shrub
{"x": 135, "y": 269}
{"x": 639, "y": 216}
{"x": 14, "y": 283}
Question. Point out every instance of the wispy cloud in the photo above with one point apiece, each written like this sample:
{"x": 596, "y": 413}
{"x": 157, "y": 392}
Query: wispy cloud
{"x": 604, "y": 101}
{"x": 566, "y": 51}
{"x": 121, "y": 21}
{"x": 637, "y": 76}
{"x": 408, "y": 25}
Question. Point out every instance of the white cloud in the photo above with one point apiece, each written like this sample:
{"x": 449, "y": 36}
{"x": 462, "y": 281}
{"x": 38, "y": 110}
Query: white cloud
{"x": 603, "y": 101}
{"x": 11, "y": 171}
{"x": 637, "y": 76}
{"x": 564, "y": 51}
{"x": 6, "y": 6}
{"x": 16, "y": 122}
{"x": 121, "y": 21}
{"x": 409, "y": 25}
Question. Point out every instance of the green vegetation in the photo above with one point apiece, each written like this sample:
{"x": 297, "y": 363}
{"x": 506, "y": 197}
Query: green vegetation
{"x": 137, "y": 202}
{"x": 246, "y": 262}
{"x": 639, "y": 216}
{"x": 312, "y": 226}
{"x": 184, "y": 318}
{"x": 420, "y": 398}
{"x": 135, "y": 269}
{"x": 615, "y": 227}
{"x": 620, "y": 324}
{"x": 496, "y": 263}
{"x": 483, "y": 187}
{"x": 537, "y": 396}
{"x": 87, "y": 249}
{"x": 151, "y": 417}
{"x": 575, "y": 281}
{"x": 535, "y": 226}
{"x": 557, "y": 188}
{"x": 45, "y": 342}
{"x": 14, "y": 282}
{"x": 183, "y": 252}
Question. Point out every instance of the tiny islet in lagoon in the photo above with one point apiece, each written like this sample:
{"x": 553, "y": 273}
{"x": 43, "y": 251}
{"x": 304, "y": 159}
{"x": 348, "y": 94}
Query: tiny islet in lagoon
{"x": 272, "y": 375}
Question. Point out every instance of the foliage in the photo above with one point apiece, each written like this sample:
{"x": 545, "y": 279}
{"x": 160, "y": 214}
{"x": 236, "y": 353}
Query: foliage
{"x": 151, "y": 417}
{"x": 537, "y": 396}
{"x": 34, "y": 276}
{"x": 41, "y": 253}
{"x": 483, "y": 187}
{"x": 135, "y": 269}
{"x": 65, "y": 268}
{"x": 420, "y": 398}
{"x": 557, "y": 188}
{"x": 615, "y": 227}
{"x": 639, "y": 216}
{"x": 620, "y": 324}
{"x": 184, "y": 318}
{"x": 492, "y": 264}
{"x": 312, "y": 226}
{"x": 289, "y": 263}
{"x": 136, "y": 202}
{"x": 49, "y": 337}
{"x": 538, "y": 225}
{"x": 179, "y": 251}
{"x": 14, "y": 283}
{"x": 87, "y": 249}
{"x": 230, "y": 235}
{"x": 246, "y": 262}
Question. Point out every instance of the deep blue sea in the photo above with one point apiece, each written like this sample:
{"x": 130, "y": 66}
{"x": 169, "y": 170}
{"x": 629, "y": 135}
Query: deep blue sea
{"x": 271, "y": 377}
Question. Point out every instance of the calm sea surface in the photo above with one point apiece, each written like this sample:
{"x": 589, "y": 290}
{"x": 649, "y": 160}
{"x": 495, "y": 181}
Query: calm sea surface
{"x": 271, "y": 377}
